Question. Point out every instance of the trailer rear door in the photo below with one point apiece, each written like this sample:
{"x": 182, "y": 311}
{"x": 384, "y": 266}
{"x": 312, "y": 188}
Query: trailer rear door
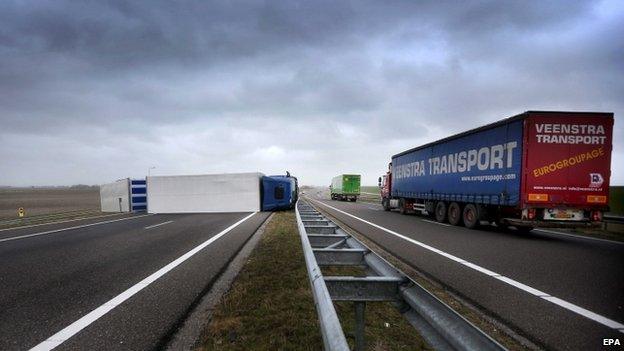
{"x": 351, "y": 184}
{"x": 568, "y": 159}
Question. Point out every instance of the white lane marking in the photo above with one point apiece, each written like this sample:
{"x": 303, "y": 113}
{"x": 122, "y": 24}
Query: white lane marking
{"x": 70, "y": 228}
{"x": 57, "y": 222}
{"x": 72, "y": 329}
{"x": 521, "y": 286}
{"x": 362, "y": 192}
{"x": 557, "y": 301}
{"x": 578, "y": 236}
{"x": 158, "y": 225}
{"x": 580, "y": 310}
{"x": 434, "y": 222}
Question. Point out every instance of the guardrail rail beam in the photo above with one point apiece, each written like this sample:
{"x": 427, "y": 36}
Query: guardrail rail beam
{"x": 326, "y": 244}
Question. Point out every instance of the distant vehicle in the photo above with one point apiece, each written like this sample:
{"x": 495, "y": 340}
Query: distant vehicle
{"x": 345, "y": 187}
{"x": 539, "y": 168}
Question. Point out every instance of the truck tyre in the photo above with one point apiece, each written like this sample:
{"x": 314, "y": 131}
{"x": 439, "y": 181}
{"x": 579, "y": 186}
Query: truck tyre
{"x": 385, "y": 203}
{"x": 440, "y": 212}
{"x": 455, "y": 214}
{"x": 471, "y": 216}
{"x": 402, "y": 209}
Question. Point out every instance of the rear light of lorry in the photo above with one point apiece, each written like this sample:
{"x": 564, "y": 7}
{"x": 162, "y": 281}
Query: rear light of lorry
{"x": 596, "y": 216}
{"x": 531, "y": 213}
{"x": 596, "y": 199}
{"x": 538, "y": 197}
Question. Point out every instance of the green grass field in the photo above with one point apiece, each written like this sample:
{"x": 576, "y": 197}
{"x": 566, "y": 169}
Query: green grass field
{"x": 46, "y": 201}
{"x": 370, "y": 189}
{"x": 616, "y": 200}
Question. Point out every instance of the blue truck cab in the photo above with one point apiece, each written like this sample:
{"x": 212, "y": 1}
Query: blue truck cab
{"x": 279, "y": 192}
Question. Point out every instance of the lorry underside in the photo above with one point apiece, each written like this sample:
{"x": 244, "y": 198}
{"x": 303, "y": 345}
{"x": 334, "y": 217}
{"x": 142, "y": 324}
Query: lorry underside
{"x": 472, "y": 215}
{"x": 344, "y": 197}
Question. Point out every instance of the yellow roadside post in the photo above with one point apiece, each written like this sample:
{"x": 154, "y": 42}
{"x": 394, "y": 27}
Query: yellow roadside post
{"x": 20, "y": 212}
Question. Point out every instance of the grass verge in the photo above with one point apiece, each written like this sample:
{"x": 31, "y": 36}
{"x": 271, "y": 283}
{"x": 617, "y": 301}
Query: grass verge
{"x": 270, "y": 305}
{"x": 385, "y": 329}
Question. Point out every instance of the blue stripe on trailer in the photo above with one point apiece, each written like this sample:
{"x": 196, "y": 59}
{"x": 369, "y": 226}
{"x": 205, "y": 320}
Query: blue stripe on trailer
{"x": 139, "y": 191}
{"x": 139, "y": 199}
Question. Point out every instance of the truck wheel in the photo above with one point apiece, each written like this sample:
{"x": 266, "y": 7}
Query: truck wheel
{"x": 402, "y": 209}
{"x": 385, "y": 203}
{"x": 440, "y": 212}
{"x": 455, "y": 214}
{"x": 471, "y": 216}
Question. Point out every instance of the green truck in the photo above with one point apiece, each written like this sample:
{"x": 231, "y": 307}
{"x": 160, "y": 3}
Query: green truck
{"x": 345, "y": 187}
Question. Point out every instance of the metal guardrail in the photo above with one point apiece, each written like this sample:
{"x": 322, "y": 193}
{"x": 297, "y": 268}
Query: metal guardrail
{"x": 326, "y": 244}
{"x": 613, "y": 218}
{"x": 333, "y": 336}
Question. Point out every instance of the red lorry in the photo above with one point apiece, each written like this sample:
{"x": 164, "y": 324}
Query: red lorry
{"x": 539, "y": 168}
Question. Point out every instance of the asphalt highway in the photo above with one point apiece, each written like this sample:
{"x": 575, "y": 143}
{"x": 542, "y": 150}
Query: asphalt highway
{"x": 561, "y": 292}
{"x": 52, "y": 278}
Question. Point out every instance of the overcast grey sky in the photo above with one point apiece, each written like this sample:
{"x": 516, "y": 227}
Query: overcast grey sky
{"x": 93, "y": 91}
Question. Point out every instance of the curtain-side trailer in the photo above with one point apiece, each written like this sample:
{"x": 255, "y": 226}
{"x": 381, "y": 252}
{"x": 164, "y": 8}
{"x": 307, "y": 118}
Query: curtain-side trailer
{"x": 539, "y": 168}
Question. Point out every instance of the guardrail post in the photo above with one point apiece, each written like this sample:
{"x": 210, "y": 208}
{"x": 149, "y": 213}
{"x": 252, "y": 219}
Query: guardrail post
{"x": 360, "y": 322}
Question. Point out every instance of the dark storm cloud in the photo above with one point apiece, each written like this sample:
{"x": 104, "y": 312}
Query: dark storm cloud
{"x": 112, "y": 77}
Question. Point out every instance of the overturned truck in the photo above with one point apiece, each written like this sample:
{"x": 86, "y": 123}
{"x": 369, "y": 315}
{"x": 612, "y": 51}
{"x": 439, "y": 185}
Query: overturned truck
{"x": 233, "y": 192}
